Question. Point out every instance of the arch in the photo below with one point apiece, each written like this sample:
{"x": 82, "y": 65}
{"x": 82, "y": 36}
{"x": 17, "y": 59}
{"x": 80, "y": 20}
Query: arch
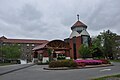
{"x": 59, "y": 50}
{"x": 57, "y": 44}
{"x": 54, "y": 44}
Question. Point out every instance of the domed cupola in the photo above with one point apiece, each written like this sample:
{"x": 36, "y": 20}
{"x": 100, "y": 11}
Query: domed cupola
{"x": 78, "y": 28}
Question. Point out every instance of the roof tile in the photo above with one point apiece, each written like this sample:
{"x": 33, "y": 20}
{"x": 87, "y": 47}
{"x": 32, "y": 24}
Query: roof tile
{"x": 79, "y": 24}
{"x": 23, "y": 41}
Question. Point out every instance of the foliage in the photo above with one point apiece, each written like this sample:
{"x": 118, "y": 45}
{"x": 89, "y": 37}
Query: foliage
{"x": 97, "y": 48}
{"x": 84, "y": 51}
{"x": 62, "y": 63}
{"x": 39, "y": 63}
{"x": 105, "y": 45}
{"x": 89, "y": 62}
{"x": 11, "y": 51}
{"x": 61, "y": 57}
{"x": 105, "y": 61}
{"x": 5, "y": 64}
{"x": 49, "y": 54}
{"x": 108, "y": 40}
{"x": 115, "y": 60}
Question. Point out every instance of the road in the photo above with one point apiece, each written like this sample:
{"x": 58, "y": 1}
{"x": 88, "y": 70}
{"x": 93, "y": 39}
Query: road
{"x": 36, "y": 72}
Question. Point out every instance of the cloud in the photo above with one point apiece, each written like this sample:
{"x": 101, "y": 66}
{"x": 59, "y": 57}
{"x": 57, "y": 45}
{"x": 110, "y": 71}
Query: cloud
{"x": 46, "y": 19}
{"x": 106, "y": 15}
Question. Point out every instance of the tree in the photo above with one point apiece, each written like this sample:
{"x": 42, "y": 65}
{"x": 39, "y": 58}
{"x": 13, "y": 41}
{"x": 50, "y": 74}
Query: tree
{"x": 97, "y": 48}
{"x": 107, "y": 41}
{"x": 49, "y": 54}
{"x": 11, "y": 51}
{"x": 84, "y": 51}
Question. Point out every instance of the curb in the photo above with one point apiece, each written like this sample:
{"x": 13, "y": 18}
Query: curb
{"x": 67, "y": 68}
{"x": 13, "y": 70}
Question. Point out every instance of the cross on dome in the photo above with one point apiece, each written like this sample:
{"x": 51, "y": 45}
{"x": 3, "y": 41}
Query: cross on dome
{"x": 78, "y": 17}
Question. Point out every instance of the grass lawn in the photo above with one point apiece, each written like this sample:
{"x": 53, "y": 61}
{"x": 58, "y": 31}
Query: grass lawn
{"x": 115, "y": 60}
{"x": 112, "y": 77}
{"x": 4, "y": 64}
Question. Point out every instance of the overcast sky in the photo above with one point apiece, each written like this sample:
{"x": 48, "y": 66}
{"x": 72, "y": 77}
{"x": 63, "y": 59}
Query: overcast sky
{"x": 52, "y": 19}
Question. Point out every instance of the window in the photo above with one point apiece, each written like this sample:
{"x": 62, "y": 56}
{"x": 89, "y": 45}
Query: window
{"x": 18, "y": 44}
{"x": 27, "y": 44}
{"x": 33, "y": 44}
{"x": 4, "y": 44}
{"x": 85, "y": 40}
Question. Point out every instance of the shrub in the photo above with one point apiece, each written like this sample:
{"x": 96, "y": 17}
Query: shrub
{"x": 89, "y": 62}
{"x": 62, "y": 63}
{"x": 72, "y": 64}
{"x": 39, "y": 63}
{"x": 82, "y": 64}
{"x": 84, "y": 51}
{"x": 105, "y": 61}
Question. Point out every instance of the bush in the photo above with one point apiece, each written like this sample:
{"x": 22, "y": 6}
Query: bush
{"x": 88, "y": 62}
{"x": 72, "y": 64}
{"x": 39, "y": 63}
{"x": 105, "y": 61}
{"x": 62, "y": 63}
{"x": 82, "y": 64}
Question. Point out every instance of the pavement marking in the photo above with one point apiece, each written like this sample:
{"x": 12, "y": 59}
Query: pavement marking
{"x": 105, "y": 70}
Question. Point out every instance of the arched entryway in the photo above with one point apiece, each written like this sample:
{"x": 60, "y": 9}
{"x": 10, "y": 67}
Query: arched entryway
{"x": 58, "y": 49}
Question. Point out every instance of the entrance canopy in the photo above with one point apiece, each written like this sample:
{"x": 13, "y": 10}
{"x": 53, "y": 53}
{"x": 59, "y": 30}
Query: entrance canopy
{"x": 57, "y": 45}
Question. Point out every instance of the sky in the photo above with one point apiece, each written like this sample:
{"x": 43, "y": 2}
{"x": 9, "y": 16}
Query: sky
{"x": 53, "y": 19}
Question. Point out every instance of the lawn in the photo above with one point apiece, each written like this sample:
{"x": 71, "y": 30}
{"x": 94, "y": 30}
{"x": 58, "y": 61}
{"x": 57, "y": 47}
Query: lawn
{"x": 112, "y": 77}
{"x": 115, "y": 60}
{"x": 4, "y": 64}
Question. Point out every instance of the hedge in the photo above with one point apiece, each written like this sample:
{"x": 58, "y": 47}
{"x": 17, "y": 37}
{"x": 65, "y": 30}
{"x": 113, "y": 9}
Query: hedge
{"x": 62, "y": 63}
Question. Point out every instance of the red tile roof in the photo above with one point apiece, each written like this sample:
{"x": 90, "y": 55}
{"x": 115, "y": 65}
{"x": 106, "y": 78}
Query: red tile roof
{"x": 22, "y": 41}
{"x": 79, "y": 24}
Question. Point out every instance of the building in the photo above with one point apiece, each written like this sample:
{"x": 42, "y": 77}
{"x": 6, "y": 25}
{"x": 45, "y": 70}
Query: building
{"x": 67, "y": 48}
{"x": 41, "y": 50}
{"x": 116, "y": 55}
{"x": 58, "y": 50}
{"x": 78, "y": 36}
{"x": 26, "y": 45}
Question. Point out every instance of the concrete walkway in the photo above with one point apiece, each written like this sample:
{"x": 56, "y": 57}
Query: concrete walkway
{"x": 12, "y": 68}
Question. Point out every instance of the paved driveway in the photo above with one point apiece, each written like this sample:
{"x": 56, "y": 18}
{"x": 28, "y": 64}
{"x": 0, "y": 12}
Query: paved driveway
{"x": 37, "y": 73}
